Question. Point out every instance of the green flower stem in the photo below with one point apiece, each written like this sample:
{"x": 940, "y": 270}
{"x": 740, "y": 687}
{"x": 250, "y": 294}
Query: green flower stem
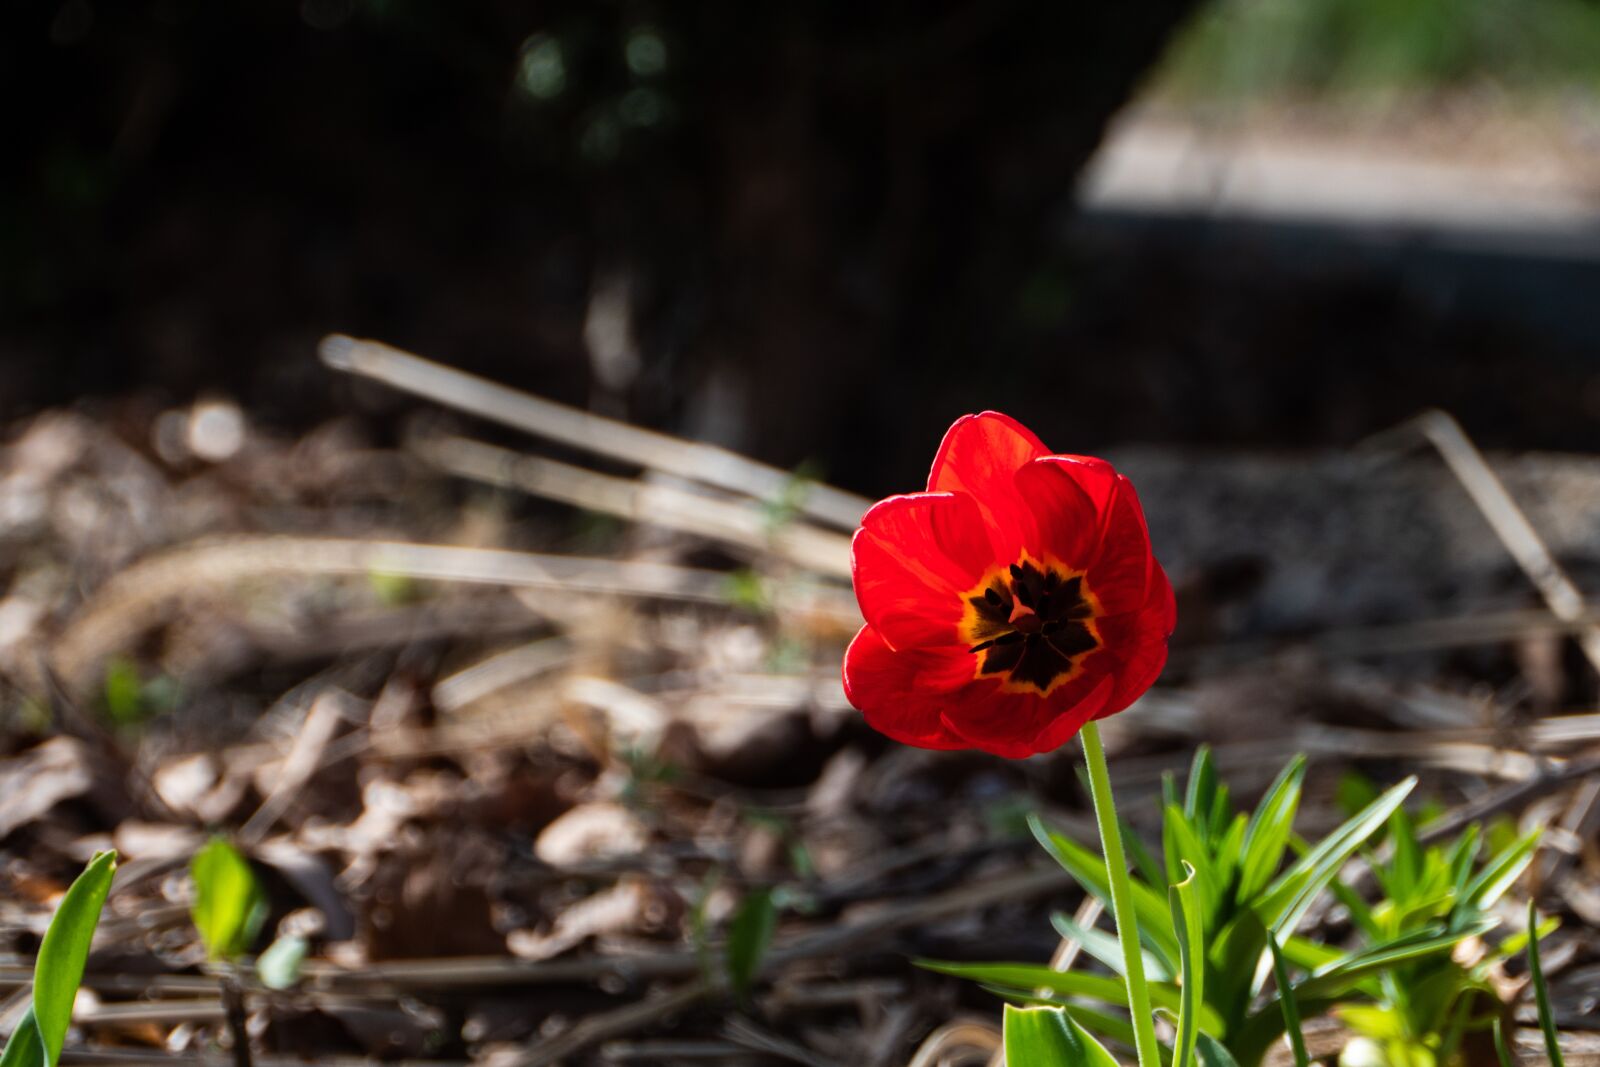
{"x": 1105, "y": 813}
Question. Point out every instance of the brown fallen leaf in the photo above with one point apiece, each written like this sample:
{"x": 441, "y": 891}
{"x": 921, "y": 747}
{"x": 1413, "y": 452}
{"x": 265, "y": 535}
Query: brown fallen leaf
{"x": 588, "y": 832}
{"x": 42, "y": 777}
{"x": 622, "y": 907}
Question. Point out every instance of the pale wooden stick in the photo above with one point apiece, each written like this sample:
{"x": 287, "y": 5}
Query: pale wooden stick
{"x": 961, "y": 1037}
{"x": 737, "y": 523}
{"x": 500, "y": 671}
{"x": 1507, "y": 520}
{"x": 305, "y": 757}
{"x": 605, "y": 437}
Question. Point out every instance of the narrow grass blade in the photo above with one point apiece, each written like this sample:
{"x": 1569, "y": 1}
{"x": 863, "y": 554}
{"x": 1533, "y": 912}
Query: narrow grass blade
{"x": 1339, "y": 976}
{"x": 1267, "y": 834}
{"x": 1500, "y": 1048}
{"x": 1282, "y": 903}
{"x": 1286, "y": 1000}
{"x": 1184, "y": 899}
{"x": 1500, "y": 873}
{"x": 1541, "y": 992}
{"x": 1201, "y": 790}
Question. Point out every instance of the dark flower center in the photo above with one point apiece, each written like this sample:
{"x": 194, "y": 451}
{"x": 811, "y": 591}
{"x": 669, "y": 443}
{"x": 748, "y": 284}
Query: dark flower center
{"x": 1032, "y": 624}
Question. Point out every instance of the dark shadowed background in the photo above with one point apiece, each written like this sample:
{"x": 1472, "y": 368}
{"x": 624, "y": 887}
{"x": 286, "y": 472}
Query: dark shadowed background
{"x": 815, "y": 232}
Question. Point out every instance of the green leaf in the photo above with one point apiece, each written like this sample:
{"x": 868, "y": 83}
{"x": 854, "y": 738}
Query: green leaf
{"x": 1105, "y": 947}
{"x": 1267, "y": 835}
{"x": 1502, "y": 872}
{"x": 1317, "y": 993}
{"x": 1230, "y": 847}
{"x": 1424, "y": 907}
{"x": 1187, "y": 859}
{"x": 1335, "y": 978}
{"x": 749, "y": 935}
{"x": 1360, "y": 912}
{"x": 1406, "y": 867}
{"x": 1221, "y": 812}
{"x": 1116, "y": 1027}
{"x": 1286, "y": 1001}
{"x": 1235, "y": 953}
{"x": 1049, "y": 1037}
{"x": 1500, "y": 1049}
{"x": 65, "y": 951}
{"x": 1541, "y": 992}
{"x": 1370, "y": 1020}
{"x": 229, "y": 905}
{"x": 1025, "y": 977}
{"x": 24, "y": 1049}
{"x": 1462, "y": 855}
{"x": 1202, "y": 788}
{"x": 1143, "y": 861}
{"x": 1512, "y": 944}
{"x": 1209, "y": 1051}
{"x": 1354, "y": 792}
{"x": 1309, "y": 955}
{"x": 1150, "y": 910}
{"x": 1105, "y": 1024}
{"x": 1184, "y": 899}
{"x": 1285, "y": 901}
{"x": 279, "y": 966}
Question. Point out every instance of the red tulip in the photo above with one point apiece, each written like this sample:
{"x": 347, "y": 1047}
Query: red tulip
{"x": 1014, "y": 601}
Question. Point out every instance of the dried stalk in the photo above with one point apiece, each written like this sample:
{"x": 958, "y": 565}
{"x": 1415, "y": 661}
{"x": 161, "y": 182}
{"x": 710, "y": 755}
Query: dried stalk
{"x": 570, "y": 426}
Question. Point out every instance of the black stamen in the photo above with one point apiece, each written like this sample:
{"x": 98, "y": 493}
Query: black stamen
{"x": 1016, "y": 572}
{"x": 1023, "y": 594}
{"x": 992, "y": 596}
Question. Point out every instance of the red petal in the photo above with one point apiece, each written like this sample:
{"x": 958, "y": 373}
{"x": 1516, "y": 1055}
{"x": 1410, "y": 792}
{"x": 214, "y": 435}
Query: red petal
{"x": 1066, "y": 726}
{"x": 1016, "y": 725}
{"x": 912, "y": 559}
{"x": 1097, "y": 478}
{"x": 1137, "y": 643}
{"x": 1119, "y": 576}
{"x": 980, "y": 455}
{"x": 1065, "y": 523}
{"x": 901, "y": 693}
{"x": 1136, "y": 677}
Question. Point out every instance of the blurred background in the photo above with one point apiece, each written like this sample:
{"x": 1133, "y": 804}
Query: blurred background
{"x": 476, "y": 679}
{"x": 818, "y": 234}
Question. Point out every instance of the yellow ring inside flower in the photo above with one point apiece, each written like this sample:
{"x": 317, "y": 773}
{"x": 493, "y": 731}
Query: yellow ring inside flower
{"x": 1031, "y": 624}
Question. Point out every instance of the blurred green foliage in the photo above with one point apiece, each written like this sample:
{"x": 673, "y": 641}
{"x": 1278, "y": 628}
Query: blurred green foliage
{"x": 130, "y": 698}
{"x": 229, "y": 905}
{"x": 1345, "y": 48}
